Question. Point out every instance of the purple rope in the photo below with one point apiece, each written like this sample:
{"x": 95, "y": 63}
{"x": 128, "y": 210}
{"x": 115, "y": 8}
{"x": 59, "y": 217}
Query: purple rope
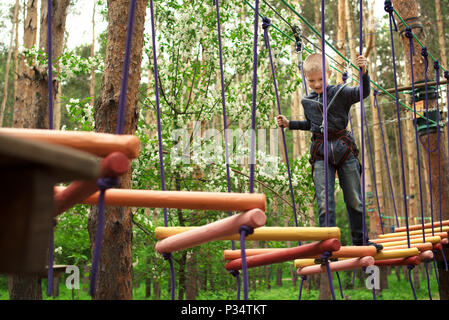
{"x": 50, "y": 64}
{"x": 125, "y": 71}
{"x": 50, "y": 261}
{"x": 446, "y": 75}
{"x": 435, "y": 268}
{"x": 410, "y": 268}
{"x": 444, "y": 258}
{"x": 409, "y": 35}
{"x": 225, "y": 123}
{"x": 159, "y": 133}
{"x": 428, "y": 280}
{"x": 376, "y": 105}
{"x": 253, "y": 111}
{"x": 303, "y": 278}
{"x": 50, "y": 126}
{"x": 425, "y": 54}
{"x": 389, "y": 9}
{"x": 265, "y": 25}
{"x": 374, "y": 171}
{"x": 362, "y": 111}
{"x": 103, "y": 185}
{"x": 339, "y": 285}
{"x": 436, "y": 66}
{"x": 235, "y": 273}
{"x": 325, "y": 143}
{"x": 325, "y": 256}
{"x": 244, "y": 231}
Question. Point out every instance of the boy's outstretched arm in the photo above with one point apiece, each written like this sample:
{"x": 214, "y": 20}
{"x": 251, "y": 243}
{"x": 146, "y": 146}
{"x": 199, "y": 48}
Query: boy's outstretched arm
{"x": 292, "y": 125}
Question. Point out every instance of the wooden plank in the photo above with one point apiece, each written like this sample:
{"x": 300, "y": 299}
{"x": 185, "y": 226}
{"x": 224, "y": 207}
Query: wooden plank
{"x": 100, "y": 144}
{"x": 64, "y": 163}
{"x": 26, "y": 219}
{"x": 29, "y": 171}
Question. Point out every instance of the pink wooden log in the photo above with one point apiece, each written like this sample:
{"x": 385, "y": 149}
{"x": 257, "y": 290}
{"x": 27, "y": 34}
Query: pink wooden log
{"x": 426, "y": 255}
{"x": 285, "y": 254}
{"x": 254, "y": 218}
{"x": 114, "y": 165}
{"x": 445, "y": 241}
{"x": 348, "y": 264}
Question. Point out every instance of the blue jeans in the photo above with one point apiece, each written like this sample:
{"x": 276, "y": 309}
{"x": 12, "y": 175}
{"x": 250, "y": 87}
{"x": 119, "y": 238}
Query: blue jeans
{"x": 349, "y": 177}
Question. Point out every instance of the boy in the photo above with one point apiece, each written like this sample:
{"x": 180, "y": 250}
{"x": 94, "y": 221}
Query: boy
{"x": 342, "y": 148}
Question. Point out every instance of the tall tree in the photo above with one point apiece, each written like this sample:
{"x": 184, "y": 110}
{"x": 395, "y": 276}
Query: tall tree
{"x": 8, "y": 61}
{"x": 409, "y": 9}
{"x": 114, "y": 279}
{"x": 21, "y": 118}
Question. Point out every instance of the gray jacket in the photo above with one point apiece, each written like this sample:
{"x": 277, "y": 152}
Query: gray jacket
{"x": 340, "y": 99}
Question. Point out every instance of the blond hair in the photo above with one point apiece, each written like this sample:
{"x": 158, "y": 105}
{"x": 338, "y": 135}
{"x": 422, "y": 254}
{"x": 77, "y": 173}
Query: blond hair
{"x": 314, "y": 63}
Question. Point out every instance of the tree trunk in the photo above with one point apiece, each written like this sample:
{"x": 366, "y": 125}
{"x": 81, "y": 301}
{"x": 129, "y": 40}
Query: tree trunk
{"x": 441, "y": 42}
{"x": 22, "y": 118}
{"x": 92, "y": 55}
{"x": 8, "y": 63}
{"x": 25, "y": 287}
{"x": 408, "y": 9}
{"x": 341, "y": 35}
{"x": 39, "y": 96}
{"x": 375, "y": 225}
{"x": 114, "y": 279}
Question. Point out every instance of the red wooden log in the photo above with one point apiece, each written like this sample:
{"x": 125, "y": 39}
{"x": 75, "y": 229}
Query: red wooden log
{"x": 412, "y": 261}
{"x": 114, "y": 165}
{"x": 286, "y": 254}
{"x": 342, "y": 265}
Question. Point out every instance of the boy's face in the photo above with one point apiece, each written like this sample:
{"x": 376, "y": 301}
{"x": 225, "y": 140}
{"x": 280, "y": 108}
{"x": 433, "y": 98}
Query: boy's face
{"x": 315, "y": 80}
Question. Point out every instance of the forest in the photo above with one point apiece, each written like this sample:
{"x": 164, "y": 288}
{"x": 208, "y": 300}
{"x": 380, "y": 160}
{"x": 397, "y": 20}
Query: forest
{"x": 86, "y": 90}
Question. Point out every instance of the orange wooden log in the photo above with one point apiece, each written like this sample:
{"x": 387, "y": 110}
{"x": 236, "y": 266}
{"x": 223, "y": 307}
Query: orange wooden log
{"x": 410, "y": 261}
{"x": 114, "y": 165}
{"x": 445, "y": 241}
{"x": 221, "y": 201}
{"x": 421, "y": 246}
{"x": 437, "y": 234}
{"x": 343, "y": 252}
{"x": 419, "y": 226}
{"x": 100, "y": 144}
{"x": 236, "y": 254}
{"x": 286, "y": 254}
{"x": 348, "y": 264}
{"x": 254, "y": 218}
{"x": 426, "y": 255}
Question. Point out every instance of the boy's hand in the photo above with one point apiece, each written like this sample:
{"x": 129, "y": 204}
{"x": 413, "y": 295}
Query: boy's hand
{"x": 282, "y": 121}
{"x": 361, "y": 62}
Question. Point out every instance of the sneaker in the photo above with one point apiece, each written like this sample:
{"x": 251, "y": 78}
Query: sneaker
{"x": 378, "y": 246}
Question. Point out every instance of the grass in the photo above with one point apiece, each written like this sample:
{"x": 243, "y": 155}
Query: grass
{"x": 398, "y": 290}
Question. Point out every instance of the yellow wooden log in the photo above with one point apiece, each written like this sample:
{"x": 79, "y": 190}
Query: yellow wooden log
{"x": 301, "y": 263}
{"x": 399, "y": 253}
{"x": 267, "y": 233}
{"x": 413, "y": 232}
{"x": 402, "y": 242}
